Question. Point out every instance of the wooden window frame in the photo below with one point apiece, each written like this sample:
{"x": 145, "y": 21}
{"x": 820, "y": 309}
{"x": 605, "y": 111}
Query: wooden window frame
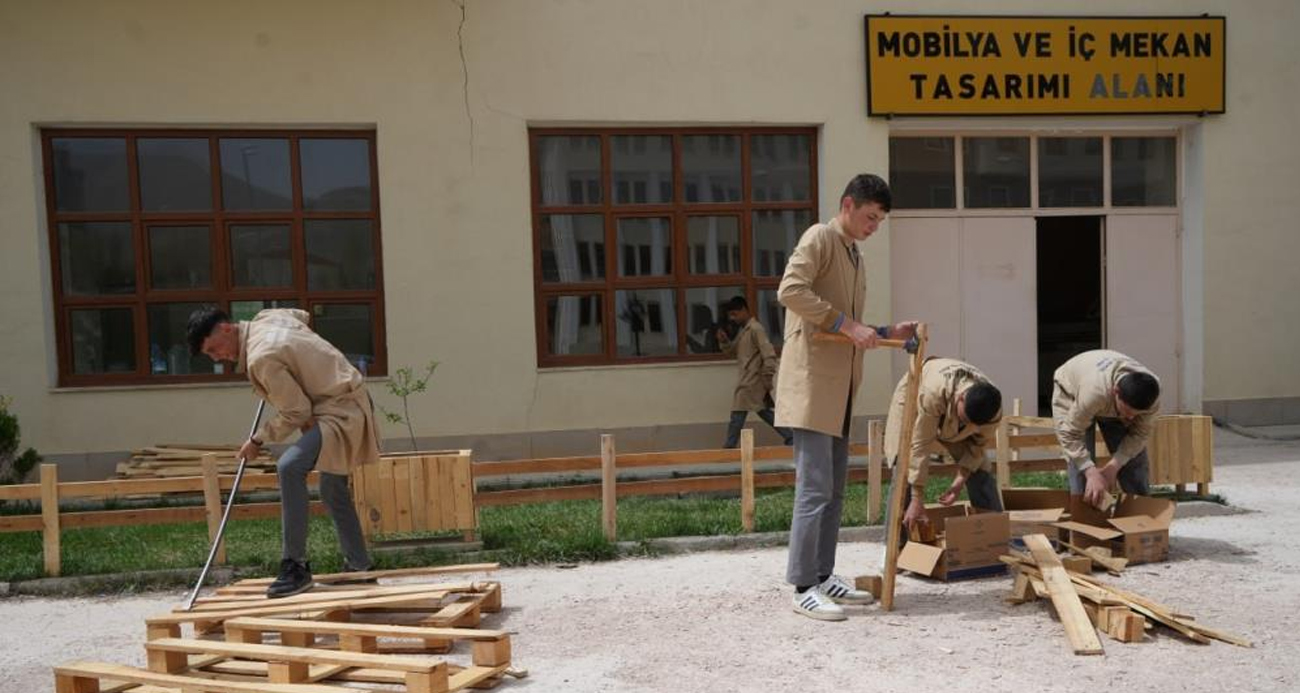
{"x": 218, "y": 221}
{"x": 678, "y": 210}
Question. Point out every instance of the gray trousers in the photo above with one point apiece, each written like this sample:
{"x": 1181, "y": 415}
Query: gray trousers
{"x": 293, "y": 467}
{"x": 737, "y": 423}
{"x": 1133, "y": 477}
{"x": 821, "y": 468}
{"x": 981, "y": 489}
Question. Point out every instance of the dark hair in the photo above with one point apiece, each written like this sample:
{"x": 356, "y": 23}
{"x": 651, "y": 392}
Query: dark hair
{"x": 868, "y": 187}
{"x": 202, "y": 322}
{"x": 737, "y": 303}
{"x": 1139, "y": 390}
{"x": 983, "y": 402}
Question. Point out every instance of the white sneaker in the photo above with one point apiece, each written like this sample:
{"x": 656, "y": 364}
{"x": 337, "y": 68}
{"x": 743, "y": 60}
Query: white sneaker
{"x": 814, "y": 604}
{"x": 841, "y": 592}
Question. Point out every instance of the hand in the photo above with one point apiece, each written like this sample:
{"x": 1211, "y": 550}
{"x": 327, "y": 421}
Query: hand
{"x": 863, "y": 337}
{"x": 722, "y": 335}
{"x": 903, "y": 330}
{"x": 1096, "y": 485}
{"x": 915, "y": 512}
{"x": 950, "y": 496}
{"x": 249, "y": 450}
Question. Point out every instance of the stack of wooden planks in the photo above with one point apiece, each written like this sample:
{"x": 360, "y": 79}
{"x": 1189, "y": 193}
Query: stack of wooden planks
{"x": 185, "y": 459}
{"x": 1086, "y": 604}
{"x": 391, "y": 632}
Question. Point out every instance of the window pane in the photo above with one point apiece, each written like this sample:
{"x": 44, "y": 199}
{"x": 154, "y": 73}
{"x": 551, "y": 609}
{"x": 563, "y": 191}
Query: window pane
{"x": 706, "y": 314}
{"x": 340, "y": 254}
{"x": 776, "y": 232}
{"x": 711, "y": 168}
{"x": 780, "y": 167}
{"x": 573, "y": 247}
{"x": 643, "y": 169}
{"x": 1143, "y": 171}
{"x": 90, "y": 174}
{"x": 647, "y": 322}
{"x": 180, "y": 257}
{"x": 713, "y": 245}
{"x": 923, "y": 172}
{"x": 771, "y": 313}
{"x": 575, "y": 325}
{"x": 350, "y": 328}
{"x": 103, "y": 341}
{"x": 1069, "y": 172}
{"x": 175, "y": 175}
{"x": 335, "y": 174}
{"x": 96, "y": 258}
{"x": 260, "y": 255}
{"x": 996, "y": 171}
{"x": 255, "y": 175}
{"x": 169, "y": 354}
{"x": 569, "y": 169}
{"x": 247, "y": 310}
{"x": 645, "y": 247}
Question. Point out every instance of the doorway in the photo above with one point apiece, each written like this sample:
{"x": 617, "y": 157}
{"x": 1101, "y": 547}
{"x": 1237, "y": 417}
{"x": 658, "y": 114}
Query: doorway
{"x": 1071, "y": 298}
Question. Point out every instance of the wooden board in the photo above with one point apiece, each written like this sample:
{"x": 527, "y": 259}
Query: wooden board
{"x": 1078, "y": 629}
{"x": 893, "y": 532}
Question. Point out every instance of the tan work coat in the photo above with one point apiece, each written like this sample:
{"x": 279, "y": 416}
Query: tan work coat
{"x": 818, "y": 379}
{"x": 1082, "y": 394}
{"x": 937, "y": 427}
{"x": 306, "y": 379}
{"x": 757, "y": 362}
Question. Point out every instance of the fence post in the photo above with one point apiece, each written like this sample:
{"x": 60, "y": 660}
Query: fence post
{"x": 50, "y": 518}
{"x": 1004, "y": 454}
{"x": 212, "y": 502}
{"x": 747, "y": 479}
{"x": 608, "y": 487}
{"x": 875, "y": 465}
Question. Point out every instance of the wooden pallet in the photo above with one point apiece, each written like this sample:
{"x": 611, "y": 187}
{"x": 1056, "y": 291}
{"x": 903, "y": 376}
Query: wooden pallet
{"x": 398, "y": 634}
{"x": 180, "y": 459}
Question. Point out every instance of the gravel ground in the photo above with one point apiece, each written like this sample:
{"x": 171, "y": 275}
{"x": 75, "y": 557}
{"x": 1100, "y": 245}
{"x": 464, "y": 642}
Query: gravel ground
{"x": 721, "y": 621}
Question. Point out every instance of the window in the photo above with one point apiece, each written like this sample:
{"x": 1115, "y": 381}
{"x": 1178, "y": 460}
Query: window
{"x": 146, "y": 226}
{"x": 923, "y": 172}
{"x": 996, "y": 171}
{"x": 1070, "y": 172}
{"x": 1144, "y": 171}
{"x": 641, "y": 235}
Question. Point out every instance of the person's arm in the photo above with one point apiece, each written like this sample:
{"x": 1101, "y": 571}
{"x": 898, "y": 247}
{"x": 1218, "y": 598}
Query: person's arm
{"x": 768, "y": 355}
{"x": 970, "y": 456}
{"x": 1135, "y": 441}
{"x": 1071, "y": 429}
{"x": 809, "y": 260}
{"x": 724, "y": 342}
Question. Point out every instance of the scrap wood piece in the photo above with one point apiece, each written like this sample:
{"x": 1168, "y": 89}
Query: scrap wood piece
{"x": 898, "y": 483}
{"x": 311, "y": 598}
{"x": 1094, "y": 554}
{"x": 86, "y": 676}
{"x": 1084, "y": 591}
{"x": 1169, "y": 616}
{"x": 213, "y": 617}
{"x": 1078, "y": 629}
{"x": 328, "y": 578}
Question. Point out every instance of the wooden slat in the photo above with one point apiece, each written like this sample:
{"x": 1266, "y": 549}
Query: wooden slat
{"x": 117, "y": 672}
{"x": 388, "y": 522}
{"x": 21, "y": 523}
{"x": 1003, "y": 441}
{"x": 374, "y": 500}
{"x": 893, "y": 533}
{"x": 326, "y": 578}
{"x": 608, "y": 488}
{"x": 463, "y": 494}
{"x": 446, "y": 494}
{"x": 402, "y": 491}
{"x": 747, "y": 480}
{"x": 1078, "y": 629}
{"x": 238, "y": 601}
{"x": 20, "y": 492}
{"x": 50, "y": 519}
{"x": 416, "y": 493}
{"x": 274, "y": 609}
{"x": 285, "y": 625}
{"x": 212, "y": 505}
{"x": 280, "y": 653}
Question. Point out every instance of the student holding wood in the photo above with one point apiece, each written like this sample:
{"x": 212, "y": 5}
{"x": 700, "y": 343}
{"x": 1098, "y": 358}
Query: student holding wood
{"x": 824, "y": 290}
{"x": 757, "y": 361}
{"x": 957, "y": 411}
{"x": 315, "y": 390}
{"x": 1107, "y": 390}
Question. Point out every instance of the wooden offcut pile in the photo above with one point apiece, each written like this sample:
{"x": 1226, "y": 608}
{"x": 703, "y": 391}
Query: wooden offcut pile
{"x": 1087, "y": 605}
{"x": 185, "y": 459}
{"x": 338, "y": 637}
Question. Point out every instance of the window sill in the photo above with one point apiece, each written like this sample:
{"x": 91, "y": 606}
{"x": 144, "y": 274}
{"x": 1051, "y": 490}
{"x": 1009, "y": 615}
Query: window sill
{"x": 729, "y": 363}
{"x": 170, "y": 386}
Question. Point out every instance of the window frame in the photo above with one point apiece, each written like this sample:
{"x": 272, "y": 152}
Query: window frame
{"x": 218, "y": 221}
{"x": 678, "y": 211}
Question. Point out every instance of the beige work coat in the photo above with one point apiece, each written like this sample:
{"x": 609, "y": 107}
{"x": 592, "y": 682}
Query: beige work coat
{"x": 818, "y": 379}
{"x": 306, "y": 379}
{"x": 1082, "y": 394}
{"x": 937, "y": 427}
{"x": 757, "y": 363}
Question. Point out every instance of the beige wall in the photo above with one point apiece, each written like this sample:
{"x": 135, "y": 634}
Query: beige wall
{"x": 456, "y": 219}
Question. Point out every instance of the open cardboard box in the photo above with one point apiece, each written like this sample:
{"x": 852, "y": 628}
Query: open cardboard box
{"x": 968, "y": 544}
{"x": 1138, "y": 530}
{"x": 1035, "y": 511}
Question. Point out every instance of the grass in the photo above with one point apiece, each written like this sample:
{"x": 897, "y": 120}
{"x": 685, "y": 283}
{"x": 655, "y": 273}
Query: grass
{"x": 561, "y": 532}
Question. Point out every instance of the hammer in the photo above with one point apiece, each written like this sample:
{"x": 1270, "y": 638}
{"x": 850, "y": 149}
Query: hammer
{"x": 909, "y": 345}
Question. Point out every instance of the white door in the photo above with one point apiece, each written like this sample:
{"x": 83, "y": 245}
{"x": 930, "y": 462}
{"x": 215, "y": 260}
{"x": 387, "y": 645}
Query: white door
{"x": 925, "y": 285}
{"x": 1143, "y": 306}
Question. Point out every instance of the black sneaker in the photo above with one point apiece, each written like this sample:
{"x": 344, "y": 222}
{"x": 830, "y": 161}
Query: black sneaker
{"x": 294, "y": 578}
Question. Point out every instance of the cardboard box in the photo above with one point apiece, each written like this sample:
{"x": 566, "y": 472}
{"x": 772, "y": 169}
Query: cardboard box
{"x": 1035, "y": 511}
{"x": 968, "y": 545}
{"x": 1138, "y": 530}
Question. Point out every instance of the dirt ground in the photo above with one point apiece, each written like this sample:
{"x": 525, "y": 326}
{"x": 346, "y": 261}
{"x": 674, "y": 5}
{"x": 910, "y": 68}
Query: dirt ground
{"x": 721, "y": 621}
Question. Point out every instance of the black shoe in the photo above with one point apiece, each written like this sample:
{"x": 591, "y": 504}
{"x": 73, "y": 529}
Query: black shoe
{"x": 294, "y": 578}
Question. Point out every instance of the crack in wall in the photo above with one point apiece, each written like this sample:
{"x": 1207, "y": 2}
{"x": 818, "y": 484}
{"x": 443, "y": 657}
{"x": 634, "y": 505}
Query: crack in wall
{"x": 464, "y": 67}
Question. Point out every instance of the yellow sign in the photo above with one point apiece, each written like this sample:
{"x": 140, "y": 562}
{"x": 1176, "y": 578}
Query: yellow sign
{"x": 931, "y": 65}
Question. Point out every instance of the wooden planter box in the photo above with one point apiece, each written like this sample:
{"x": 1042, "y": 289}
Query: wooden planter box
{"x": 1181, "y": 450}
{"x": 416, "y": 492}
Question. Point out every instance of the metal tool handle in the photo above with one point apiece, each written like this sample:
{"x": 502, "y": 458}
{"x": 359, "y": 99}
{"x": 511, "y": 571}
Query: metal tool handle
{"x": 908, "y": 345}
{"x": 225, "y": 515}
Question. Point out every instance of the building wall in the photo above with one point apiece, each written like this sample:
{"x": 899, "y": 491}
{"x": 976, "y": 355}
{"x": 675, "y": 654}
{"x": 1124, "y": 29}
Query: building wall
{"x": 453, "y": 176}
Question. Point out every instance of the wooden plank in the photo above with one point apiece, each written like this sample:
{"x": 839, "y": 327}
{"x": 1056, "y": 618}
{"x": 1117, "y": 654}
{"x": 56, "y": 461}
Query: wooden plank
{"x": 1037, "y": 440}
{"x": 212, "y": 504}
{"x": 1126, "y": 627}
{"x": 160, "y": 516}
{"x": 608, "y": 488}
{"x": 372, "y": 520}
{"x": 388, "y": 523}
{"x": 893, "y": 533}
{"x": 116, "y": 672}
{"x": 50, "y": 519}
{"x": 1078, "y": 629}
{"x": 1186, "y": 449}
{"x": 747, "y": 480}
{"x": 446, "y": 489}
{"x": 402, "y": 492}
{"x": 1032, "y": 422}
{"x": 21, "y": 523}
{"x": 240, "y": 601}
{"x": 462, "y": 480}
{"x": 306, "y": 655}
{"x": 416, "y": 493}
{"x": 20, "y": 492}
{"x": 272, "y": 609}
{"x": 326, "y": 578}
{"x": 1003, "y": 443}
{"x": 875, "y": 465}
{"x": 288, "y": 625}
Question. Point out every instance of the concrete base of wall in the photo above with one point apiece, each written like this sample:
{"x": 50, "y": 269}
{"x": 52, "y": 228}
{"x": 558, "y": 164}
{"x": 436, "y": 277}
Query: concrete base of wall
{"x": 1264, "y": 411}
